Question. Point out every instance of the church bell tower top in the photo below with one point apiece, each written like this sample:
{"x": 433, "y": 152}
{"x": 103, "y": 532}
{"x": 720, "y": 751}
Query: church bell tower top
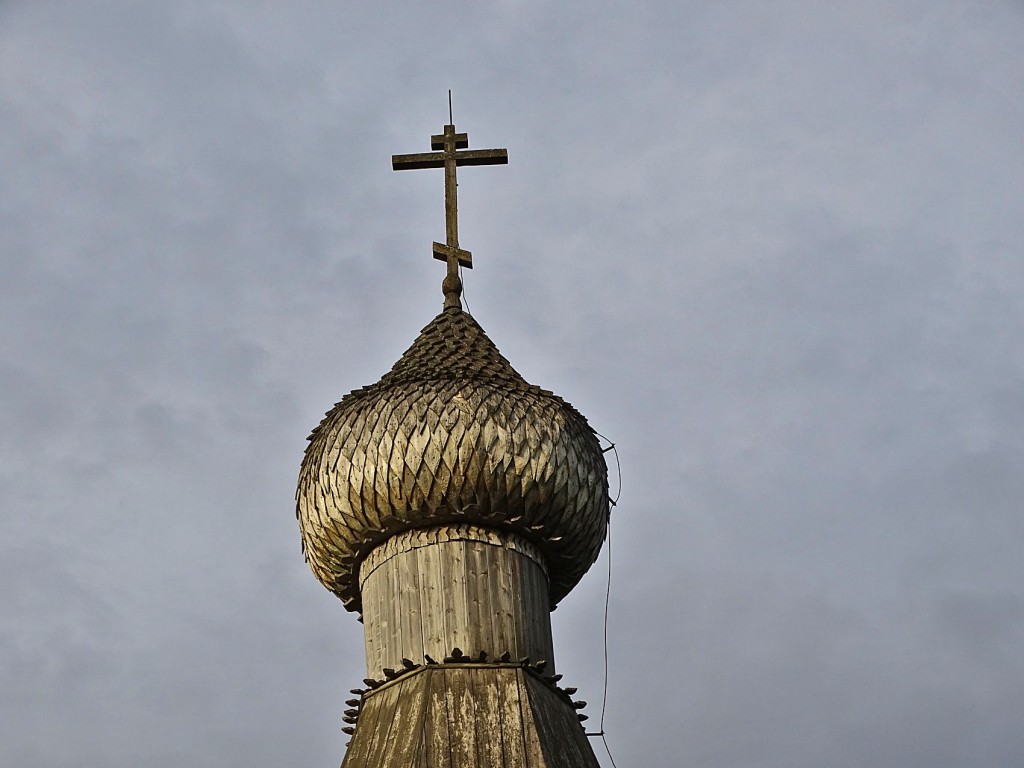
{"x": 452, "y": 504}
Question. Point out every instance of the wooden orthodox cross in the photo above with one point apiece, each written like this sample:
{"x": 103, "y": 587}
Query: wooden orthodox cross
{"x": 451, "y": 150}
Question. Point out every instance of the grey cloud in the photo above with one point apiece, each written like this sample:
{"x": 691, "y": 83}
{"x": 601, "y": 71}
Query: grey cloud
{"x": 772, "y": 252}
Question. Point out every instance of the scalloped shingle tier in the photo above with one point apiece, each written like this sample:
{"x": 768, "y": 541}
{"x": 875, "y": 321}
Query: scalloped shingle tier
{"x": 451, "y": 434}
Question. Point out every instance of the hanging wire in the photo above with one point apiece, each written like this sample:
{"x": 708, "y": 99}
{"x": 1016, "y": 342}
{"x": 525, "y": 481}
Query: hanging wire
{"x": 618, "y": 468}
{"x": 606, "y": 749}
{"x": 604, "y": 695}
{"x": 468, "y": 310}
{"x": 607, "y": 596}
{"x": 607, "y": 601}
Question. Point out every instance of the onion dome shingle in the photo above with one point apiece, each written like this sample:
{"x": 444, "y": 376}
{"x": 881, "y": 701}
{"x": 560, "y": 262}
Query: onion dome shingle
{"x": 451, "y": 434}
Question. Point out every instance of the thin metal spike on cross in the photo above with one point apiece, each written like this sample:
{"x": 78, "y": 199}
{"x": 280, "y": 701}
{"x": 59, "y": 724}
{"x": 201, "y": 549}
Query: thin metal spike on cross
{"x": 451, "y": 151}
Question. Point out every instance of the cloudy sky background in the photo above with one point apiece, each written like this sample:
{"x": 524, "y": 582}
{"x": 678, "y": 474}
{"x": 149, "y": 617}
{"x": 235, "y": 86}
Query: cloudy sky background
{"x": 772, "y": 249}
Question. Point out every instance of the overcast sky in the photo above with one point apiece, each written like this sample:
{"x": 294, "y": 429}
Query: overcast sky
{"x": 773, "y": 250}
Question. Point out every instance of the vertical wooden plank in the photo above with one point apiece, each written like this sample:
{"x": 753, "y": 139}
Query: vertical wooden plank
{"x": 436, "y": 730}
{"x": 411, "y": 609}
{"x": 393, "y": 600}
{"x": 528, "y": 601}
{"x": 369, "y": 623}
{"x": 502, "y": 614}
{"x": 489, "y": 748}
{"x": 384, "y": 611}
{"x": 471, "y": 626}
{"x": 510, "y": 597}
{"x": 389, "y": 698}
{"x": 531, "y": 737}
{"x": 562, "y": 737}
{"x": 396, "y": 607}
{"x": 513, "y": 743}
{"x": 543, "y": 592}
{"x": 534, "y": 591}
{"x": 480, "y": 620}
{"x": 428, "y": 560}
{"x": 546, "y": 731}
{"x": 379, "y": 604}
{"x": 457, "y": 612}
{"x": 442, "y": 580}
{"x": 377, "y": 716}
{"x": 422, "y": 596}
{"x": 407, "y": 599}
{"x": 373, "y": 601}
{"x": 401, "y": 748}
{"x": 461, "y": 719}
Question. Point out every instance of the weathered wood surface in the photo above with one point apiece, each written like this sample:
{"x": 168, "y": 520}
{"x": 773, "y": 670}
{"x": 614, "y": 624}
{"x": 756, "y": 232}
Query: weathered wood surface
{"x": 428, "y": 591}
{"x": 561, "y": 737}
{"x": 452, "y": 434}
{"x": 469, "y": 716}
{"x": 436, "y": 746}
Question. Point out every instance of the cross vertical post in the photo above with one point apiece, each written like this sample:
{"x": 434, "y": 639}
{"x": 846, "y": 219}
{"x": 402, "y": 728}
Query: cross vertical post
{"x": 450, "y": 151}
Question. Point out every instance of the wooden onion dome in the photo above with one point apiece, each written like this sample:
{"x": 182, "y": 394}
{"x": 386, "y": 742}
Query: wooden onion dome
{"x": 452, "y": 434}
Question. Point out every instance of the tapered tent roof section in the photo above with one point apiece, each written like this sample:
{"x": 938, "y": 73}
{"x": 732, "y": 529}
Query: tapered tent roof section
{"x": 470, "y": 716}
{"x": 451, "y": 434}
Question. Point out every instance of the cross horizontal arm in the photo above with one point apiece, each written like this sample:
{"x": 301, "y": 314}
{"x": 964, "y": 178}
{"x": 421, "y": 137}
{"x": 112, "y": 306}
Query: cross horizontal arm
{"x": 482, "y": 157}
{"x": 419, "y": 160}
{"x": 445, "y": 252}
{"x": 436, "y": 159}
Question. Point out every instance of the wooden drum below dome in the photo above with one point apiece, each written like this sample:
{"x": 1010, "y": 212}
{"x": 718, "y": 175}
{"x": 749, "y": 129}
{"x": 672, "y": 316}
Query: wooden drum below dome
{"x": 429, "y": 590}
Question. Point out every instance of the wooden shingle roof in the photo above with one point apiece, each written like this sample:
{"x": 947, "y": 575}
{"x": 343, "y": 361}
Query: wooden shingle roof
{"x": 471, "y": 716}
{"x": 451, "y": 434}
